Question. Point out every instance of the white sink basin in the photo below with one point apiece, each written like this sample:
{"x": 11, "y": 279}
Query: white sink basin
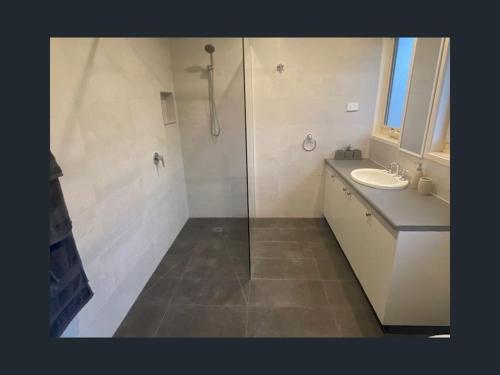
{"x": 378, "y": 179}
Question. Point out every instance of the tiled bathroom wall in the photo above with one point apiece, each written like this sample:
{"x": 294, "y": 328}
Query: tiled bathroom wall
{"x": 106, "y": 122}
{"x": 215, "y": 168}
{"x": 320, "y": 76}
{"x": 440, "y": 174}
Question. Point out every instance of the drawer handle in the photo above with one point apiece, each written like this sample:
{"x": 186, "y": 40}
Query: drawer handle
{"x": 344, "y": 189}
{"x": 368, "y": 214}
{"x": 332, "y": 176}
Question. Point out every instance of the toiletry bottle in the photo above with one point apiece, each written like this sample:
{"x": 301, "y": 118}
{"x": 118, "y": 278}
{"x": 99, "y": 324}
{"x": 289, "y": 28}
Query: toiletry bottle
{"x": 416, "y": 176}
{"x": 424, "y": 186}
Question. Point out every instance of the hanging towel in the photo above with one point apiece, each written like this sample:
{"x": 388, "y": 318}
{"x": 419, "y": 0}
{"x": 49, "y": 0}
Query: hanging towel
{"x": 69, "y": 290}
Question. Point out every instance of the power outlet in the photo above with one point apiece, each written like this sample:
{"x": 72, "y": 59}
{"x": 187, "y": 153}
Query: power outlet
{"x": 352, "y": 107}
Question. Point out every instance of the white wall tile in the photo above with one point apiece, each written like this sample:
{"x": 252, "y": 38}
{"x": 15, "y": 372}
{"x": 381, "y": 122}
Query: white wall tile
{"x": 106, "y": 122}
{"x": 215, "y": 172}
{"x": 321, "y": 75}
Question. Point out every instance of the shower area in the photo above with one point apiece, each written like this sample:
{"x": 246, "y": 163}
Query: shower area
{"x": 210, "y": 98}
{"x": 209, "y": 85}
{"x": 194, "y": 184}
{"x": 206, "y": 271}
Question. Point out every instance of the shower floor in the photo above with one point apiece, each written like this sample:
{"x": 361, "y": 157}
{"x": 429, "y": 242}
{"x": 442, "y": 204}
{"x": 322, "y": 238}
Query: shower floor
{"x": 301, "y": 285}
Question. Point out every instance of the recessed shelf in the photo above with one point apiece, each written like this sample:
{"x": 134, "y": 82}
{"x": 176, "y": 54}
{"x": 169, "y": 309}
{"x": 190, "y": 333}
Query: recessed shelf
{"x": 168, "y": 108}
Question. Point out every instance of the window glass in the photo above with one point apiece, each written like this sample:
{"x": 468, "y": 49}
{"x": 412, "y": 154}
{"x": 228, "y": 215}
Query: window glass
{"x": 401, "y": 63}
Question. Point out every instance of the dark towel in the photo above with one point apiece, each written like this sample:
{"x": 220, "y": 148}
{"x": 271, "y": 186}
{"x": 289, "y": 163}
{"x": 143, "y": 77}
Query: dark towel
{"x": 68, "y": 286}
{"x": 60, "y": 223}
{"x": 54, "y": 168}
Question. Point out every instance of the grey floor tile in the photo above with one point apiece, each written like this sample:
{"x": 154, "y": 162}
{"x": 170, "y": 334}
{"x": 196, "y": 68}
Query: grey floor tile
{"x": 237, "y": 248}
{"x": 263, "y": 222}
{"x": 233, "y": 228}
{"x": 357, "y": 323}
{"x": 322, "y": 250}
{"x": 319, "y": 223}
{"x": 345, "y": 293}
{"x": 275, "y": 249}
{"x": 287, "y": 222}
{"x": 252, "y": 222}
{"x": 280, "y": 222}
{"x": 245, "y": 288}
{"x": 197, "y": 222}
{"x": 284, "y": 268}
{"x": 203, "y": 321}
{"x": 242, "y": 267}
{"x": 182, "y": 247}
{"x": 240, "y": 236}
{"x": 264, "y": 234}
{"x": 141, "y": 321}
{"x": 152, "y": 280}
{"x": 309, "y": 223}
{"x": 214, "y": 238}
{"x": 239, "y": 223}
{"x": 287, "y": 293}
{"x": 227, "y": 223}
{"x": 210, "y": 246}
{"x": 204, "y": 302}
{"x": 291, "y": 322}
{"x": 159, "y": 292}
{"x": 191, "y": 231}
{"x": 335, "y": 267}
{"x": 211, "y": 290}
{"x": 322, "y": 224}
{"x": 171, "y": 266}
{"x": 205, "y": 267}
{"x": 236, "y": 230}
{"x": 317, "y": 235}
{"x": 290, "y": 234}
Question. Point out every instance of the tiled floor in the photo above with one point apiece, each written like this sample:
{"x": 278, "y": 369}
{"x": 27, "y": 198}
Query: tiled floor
{"x": 301, "y": 286}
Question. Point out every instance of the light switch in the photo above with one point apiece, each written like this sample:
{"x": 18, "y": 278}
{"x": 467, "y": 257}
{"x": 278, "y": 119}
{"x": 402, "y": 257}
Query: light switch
{"x": 352, "y": 107}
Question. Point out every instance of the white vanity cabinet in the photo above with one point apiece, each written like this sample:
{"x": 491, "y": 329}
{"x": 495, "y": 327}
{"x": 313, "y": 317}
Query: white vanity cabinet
{"x": 405, "y": 275}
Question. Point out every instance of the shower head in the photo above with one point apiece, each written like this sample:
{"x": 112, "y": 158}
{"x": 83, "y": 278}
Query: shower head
{"x": 209, "y": 48}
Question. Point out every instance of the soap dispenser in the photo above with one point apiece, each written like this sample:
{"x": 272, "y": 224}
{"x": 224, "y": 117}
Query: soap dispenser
{"x": 416, "y": 176}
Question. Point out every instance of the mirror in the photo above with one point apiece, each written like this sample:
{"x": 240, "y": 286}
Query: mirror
{"x": 420, "y": 94}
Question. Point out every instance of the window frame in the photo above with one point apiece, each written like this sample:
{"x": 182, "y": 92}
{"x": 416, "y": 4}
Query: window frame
{"x": 381, "y": 131}
{"x": 391, "y": 80}
{"x": 439, "y": 129}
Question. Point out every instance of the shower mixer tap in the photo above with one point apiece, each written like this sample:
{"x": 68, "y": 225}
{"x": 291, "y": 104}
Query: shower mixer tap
{"x": 157, "y": 158}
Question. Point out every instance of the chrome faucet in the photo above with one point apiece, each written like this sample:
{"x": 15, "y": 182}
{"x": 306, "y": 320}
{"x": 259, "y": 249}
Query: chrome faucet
{"x": 403, "y": 174}
{"x": 394, "y": 165}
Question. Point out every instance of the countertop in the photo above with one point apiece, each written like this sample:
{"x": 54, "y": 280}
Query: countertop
{"x": 405, "y": 209}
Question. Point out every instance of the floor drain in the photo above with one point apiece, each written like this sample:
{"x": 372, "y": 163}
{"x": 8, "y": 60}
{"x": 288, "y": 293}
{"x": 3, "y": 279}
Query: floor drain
{"x": 218, "y": 229}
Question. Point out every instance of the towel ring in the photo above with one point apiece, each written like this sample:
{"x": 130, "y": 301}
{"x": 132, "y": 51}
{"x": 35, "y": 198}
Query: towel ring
{"x": 309, "y": 143}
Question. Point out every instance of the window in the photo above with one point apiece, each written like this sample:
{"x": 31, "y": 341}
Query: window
{"x": 446, "y": 146}
{"x": 399, "y": 82}
{"x": 445, "y": 103}
{"x": 438, "y": 143}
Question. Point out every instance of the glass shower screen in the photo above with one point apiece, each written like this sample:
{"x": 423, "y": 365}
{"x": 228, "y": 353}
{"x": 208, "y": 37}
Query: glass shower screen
{"x": 210, "y": 100}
